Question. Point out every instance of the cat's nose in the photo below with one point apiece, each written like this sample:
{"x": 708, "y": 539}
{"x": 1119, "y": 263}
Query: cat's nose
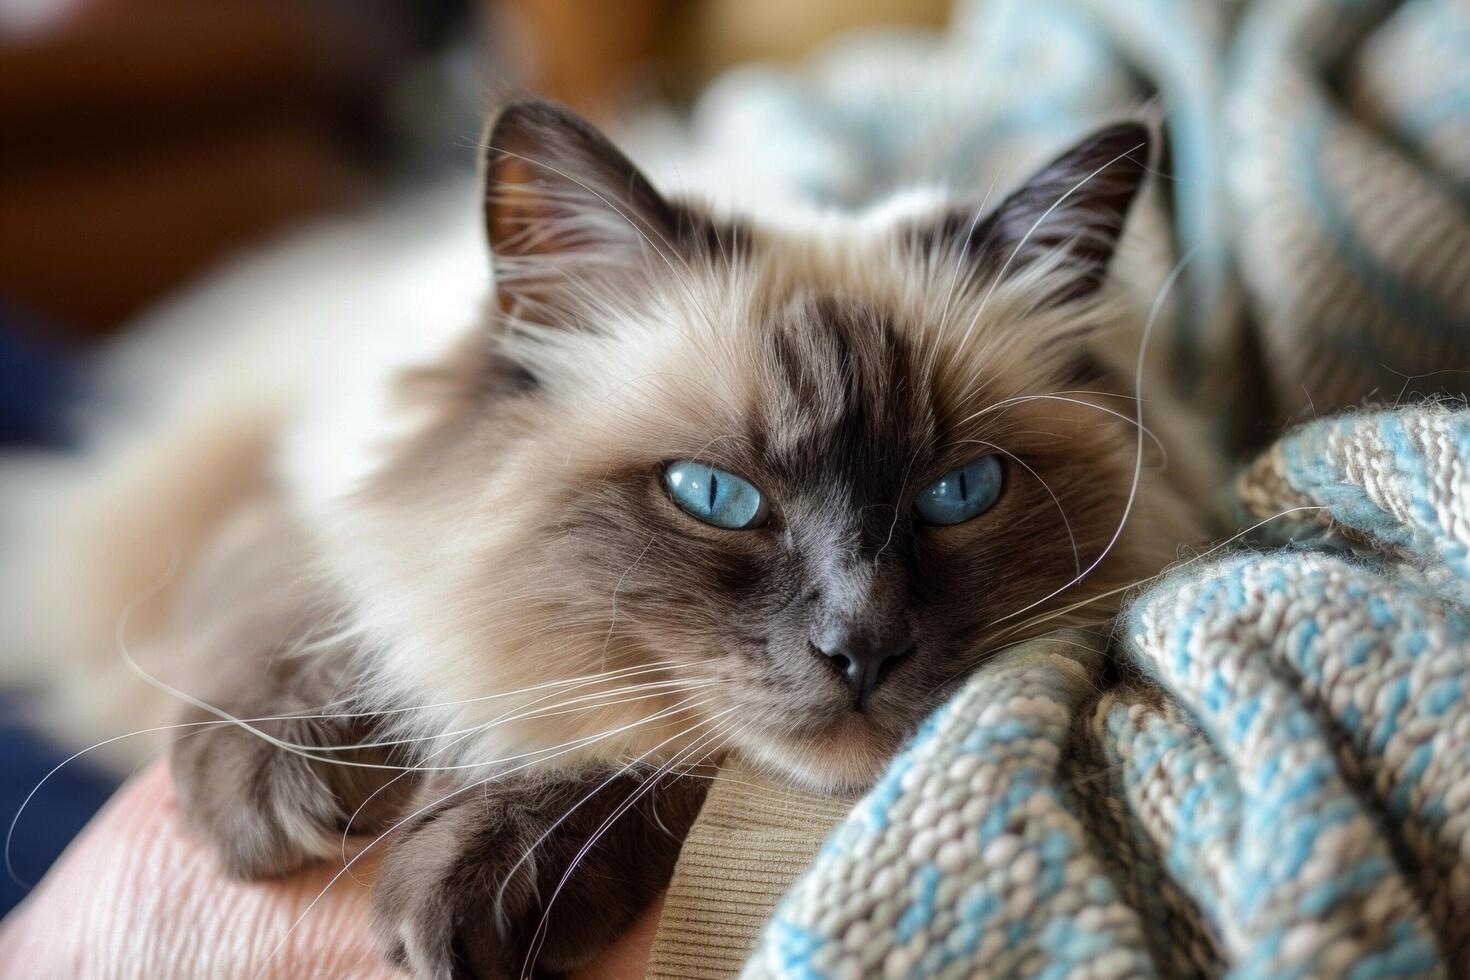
{"x": 862, "y": 658}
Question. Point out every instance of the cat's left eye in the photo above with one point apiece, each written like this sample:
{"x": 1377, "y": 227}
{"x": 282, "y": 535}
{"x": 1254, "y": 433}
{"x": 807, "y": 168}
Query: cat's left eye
{"x": 963, "y": 494}
{"x": 715, "y": 496}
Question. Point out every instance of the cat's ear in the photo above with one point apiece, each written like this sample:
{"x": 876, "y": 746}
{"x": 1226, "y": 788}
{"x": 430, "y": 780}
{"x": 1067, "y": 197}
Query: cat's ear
{"x": 1073, "y": 208}
{"x": 561, "y": 201}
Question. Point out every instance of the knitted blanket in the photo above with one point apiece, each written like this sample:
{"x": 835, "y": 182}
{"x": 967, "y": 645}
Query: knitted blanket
{"x": 1280, "y": 786}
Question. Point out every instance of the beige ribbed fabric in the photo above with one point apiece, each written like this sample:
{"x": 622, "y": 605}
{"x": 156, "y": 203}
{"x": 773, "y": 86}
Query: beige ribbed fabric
{"x": 751, "y": 841}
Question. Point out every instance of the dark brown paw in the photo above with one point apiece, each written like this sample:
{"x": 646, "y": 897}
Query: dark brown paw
{"x": 497, "y": 881}
{"x": 440, "y": 908}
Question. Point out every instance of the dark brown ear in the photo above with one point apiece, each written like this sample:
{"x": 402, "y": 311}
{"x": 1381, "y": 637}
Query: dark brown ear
{"x": 1075, "y": 205}
{"x": 562, "y": 202}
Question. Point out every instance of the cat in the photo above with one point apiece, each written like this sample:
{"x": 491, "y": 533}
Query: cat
{"x": 689, "y": 484}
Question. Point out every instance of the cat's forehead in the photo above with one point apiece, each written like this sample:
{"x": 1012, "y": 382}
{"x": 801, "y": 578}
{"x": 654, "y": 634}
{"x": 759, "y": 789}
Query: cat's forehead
{"x": 800, "y": 356}
{"x": 840, "y": 378}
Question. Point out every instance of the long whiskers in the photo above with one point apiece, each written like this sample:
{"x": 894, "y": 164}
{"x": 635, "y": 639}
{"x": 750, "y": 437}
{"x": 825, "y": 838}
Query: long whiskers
{"x": 1139, "y": 583}
{"x": 310, "y": 751}
{"x": 464, "y": 735}
{"x": 1026, "y": 238}
{"x": 1148, "y": 330}
{"x": 955, "y": 276}
{"x": 613, "y": 621}
{"x": 609, "y": 780}
{"x": 1132, "y": 421}
{"x": 474, "y": 784}
{"x": 539, "y": 936}
{"x": 1072, "y": 538}
{"x": 581, "y": 703}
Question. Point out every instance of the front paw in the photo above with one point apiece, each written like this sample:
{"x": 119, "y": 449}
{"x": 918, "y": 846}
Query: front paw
{"x": 264, "y": 809}
{"x": 532, "y": 876}
{"x": 439, "y": 908}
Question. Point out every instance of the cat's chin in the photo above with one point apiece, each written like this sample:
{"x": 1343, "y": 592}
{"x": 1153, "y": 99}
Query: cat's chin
{"x": 844, "y": 761}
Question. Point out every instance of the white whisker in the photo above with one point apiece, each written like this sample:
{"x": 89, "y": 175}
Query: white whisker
{"x": 1138, "y": 452}
{"x": 474, "y": 784}
{"x": 1076, "y": 558}
{"x": 613, "y": 623}
{"x": 1030, "y": 623}
{"x": 538, "y": 937}
{"x": 1015, "y": 253}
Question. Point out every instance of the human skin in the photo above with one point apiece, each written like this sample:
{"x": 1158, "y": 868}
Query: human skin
{"x": 137, "y": 895}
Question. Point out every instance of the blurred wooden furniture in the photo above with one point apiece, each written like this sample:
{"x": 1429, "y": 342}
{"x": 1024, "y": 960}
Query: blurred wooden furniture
{"x": 145, "y": 139}
{"x": 594, "y": 54}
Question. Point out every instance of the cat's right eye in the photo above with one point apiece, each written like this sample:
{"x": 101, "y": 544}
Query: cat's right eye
{"x": 715, "y": 496}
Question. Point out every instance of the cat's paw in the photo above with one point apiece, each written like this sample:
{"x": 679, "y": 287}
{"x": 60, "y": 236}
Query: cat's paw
{"x": 527, "y": 876}
{"x": 439, "y": 908}
{"x": 263, "y": 808}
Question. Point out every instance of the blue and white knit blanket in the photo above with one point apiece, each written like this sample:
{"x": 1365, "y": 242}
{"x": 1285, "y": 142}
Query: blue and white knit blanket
{"x": 1278, "y": 786}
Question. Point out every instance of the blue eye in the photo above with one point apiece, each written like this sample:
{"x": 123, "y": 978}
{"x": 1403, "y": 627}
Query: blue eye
{"x": 962, "y": 494}
{"x": 715, "y": 496}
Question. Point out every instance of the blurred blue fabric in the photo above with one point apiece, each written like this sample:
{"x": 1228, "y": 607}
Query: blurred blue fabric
{"x": 35, "y": 385}
{"x": 52, "y": 818}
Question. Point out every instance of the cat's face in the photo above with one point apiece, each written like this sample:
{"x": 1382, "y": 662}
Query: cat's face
{"x": 823, "y": 478}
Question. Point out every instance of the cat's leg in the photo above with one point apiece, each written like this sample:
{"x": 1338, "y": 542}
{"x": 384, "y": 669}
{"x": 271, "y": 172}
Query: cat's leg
{"x": 269, "y": 810}
{"x": 264, "y": 640}
{"x": 527, "y": 874}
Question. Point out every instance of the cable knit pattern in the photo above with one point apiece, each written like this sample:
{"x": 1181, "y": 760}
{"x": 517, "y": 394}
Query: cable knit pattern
{"x": 1281, "y": 787}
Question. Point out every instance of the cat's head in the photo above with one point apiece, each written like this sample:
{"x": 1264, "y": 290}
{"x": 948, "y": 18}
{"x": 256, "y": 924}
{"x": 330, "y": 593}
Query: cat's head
{"x": 822, "y": 475}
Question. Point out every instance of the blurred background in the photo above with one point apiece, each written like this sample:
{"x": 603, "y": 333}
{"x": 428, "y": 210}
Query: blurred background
{"x": 145, "y": 142}
{"x": 146, "y": 139}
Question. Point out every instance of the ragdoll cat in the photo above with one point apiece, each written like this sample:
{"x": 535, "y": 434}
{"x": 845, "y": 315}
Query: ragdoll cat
{"x": 691, "y": 485}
